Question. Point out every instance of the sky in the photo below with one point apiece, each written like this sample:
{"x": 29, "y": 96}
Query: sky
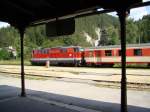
{"x": 135, "y": 14}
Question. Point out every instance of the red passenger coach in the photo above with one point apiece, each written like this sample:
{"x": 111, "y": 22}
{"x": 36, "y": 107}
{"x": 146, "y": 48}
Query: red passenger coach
{"x": 110, "y": 55}
{"x": 58, "y": 55}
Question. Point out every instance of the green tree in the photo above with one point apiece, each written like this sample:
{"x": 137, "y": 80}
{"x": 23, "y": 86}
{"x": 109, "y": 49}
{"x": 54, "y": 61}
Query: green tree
{"x": 113, "y": 35}
{"x": 131, "y": 32}
{"x": 4, "y": 54}
{"x": 144, "y": 29}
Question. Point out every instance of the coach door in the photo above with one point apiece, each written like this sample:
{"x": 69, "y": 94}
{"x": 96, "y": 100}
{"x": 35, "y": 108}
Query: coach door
{"x": 98, "y": 57}
{"x": 92, "y": 58}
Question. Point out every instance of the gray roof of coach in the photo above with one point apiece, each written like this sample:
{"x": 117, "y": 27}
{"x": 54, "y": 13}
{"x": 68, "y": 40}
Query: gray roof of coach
{"x": 118, "y": 46}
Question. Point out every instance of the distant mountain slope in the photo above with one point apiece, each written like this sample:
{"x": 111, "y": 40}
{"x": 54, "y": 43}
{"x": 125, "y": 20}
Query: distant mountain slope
{"x": 90, "y": 31}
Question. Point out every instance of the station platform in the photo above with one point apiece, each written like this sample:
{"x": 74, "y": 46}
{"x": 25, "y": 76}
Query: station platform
{"x": 10, "y": 101}
{"x": 37, "y": 101}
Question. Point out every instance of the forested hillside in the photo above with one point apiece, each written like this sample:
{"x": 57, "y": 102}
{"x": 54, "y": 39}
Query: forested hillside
{"x": 90, "y": 31}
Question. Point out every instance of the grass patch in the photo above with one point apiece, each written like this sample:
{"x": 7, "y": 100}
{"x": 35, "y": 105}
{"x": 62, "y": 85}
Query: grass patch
{"x": 129, "y": 86}
{"x": 36, "y": 78}
{"x": 132, "y": 66}
{"x": 14, "y": 62}
{"x": 26, "y": 77}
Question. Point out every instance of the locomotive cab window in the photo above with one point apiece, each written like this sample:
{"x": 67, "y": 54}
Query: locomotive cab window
{"x": 137, "y": 52}
{"x": 81, "y": 49}
{"x": 108, "y": 53}
{"x": 76, "y": 49}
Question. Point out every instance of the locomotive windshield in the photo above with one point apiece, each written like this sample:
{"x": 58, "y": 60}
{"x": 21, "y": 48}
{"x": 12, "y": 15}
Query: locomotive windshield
{"x": 81, "y": 49}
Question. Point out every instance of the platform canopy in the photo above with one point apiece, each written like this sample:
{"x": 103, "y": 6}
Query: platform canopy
{"x": 26, "y": 12}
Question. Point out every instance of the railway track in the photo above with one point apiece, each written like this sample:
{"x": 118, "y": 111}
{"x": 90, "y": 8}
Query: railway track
{"x": 77, "y": 72}
{"x": 97, "y": 83}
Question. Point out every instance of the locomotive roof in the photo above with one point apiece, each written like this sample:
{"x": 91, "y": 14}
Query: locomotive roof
{"x": 64, "y": 47}
{"x": 142, "y": 45}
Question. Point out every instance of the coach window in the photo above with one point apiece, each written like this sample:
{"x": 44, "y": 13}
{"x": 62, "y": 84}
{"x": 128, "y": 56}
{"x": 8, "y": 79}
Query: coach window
{"x": 90, "y": 54}
{"x": 108, "y": 53}
{"x": 137, "y": 52}
{"x": 119, "y": 52}
{"x": 98, "y": 54}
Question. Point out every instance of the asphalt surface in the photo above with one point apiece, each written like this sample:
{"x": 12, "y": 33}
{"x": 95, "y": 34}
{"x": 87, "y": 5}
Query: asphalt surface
{"x": 28, "y": 105}
{"x": 82, "y": 95}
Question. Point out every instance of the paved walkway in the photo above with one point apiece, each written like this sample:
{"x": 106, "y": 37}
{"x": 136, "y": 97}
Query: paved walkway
{"x": 10, "y": 101}
{"x": 18, "y": 104}
{"x": 59, "y": 96}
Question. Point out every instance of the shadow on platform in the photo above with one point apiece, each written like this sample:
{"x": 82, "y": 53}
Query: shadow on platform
{"x": 11, "y": 102}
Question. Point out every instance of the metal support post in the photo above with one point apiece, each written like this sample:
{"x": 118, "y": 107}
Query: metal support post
{"x": 23, "y": 93}
{"x": 122, "y": 18}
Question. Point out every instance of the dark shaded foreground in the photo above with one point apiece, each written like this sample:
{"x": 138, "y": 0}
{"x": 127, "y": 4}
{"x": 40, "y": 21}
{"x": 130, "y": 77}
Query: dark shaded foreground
{"x": 10, "y": 101}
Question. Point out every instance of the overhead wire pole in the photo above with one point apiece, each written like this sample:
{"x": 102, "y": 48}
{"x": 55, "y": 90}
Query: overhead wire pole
{"x": 21, "y": 31}
{"x": 122, "y": 17}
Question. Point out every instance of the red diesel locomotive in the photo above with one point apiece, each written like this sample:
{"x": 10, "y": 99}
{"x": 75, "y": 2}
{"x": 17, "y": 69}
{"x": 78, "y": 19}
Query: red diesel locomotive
{"x": 104, "y": 55}
{"x": 58, "y": 56}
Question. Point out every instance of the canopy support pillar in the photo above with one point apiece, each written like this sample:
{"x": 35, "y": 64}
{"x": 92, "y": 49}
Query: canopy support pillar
{"x": 122, "y": 17}
{"x": 21, "y": 31}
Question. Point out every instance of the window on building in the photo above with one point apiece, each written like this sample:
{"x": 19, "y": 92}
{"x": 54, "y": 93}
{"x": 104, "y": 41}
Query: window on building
{"x": 137, "y": 52}
{"x": 108, "y": 53}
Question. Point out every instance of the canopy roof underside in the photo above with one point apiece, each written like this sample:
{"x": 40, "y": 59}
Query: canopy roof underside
{"x": 26, "y": 12}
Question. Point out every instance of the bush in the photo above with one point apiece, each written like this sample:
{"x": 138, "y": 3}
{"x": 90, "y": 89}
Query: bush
{"x": 4, "y": 54}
